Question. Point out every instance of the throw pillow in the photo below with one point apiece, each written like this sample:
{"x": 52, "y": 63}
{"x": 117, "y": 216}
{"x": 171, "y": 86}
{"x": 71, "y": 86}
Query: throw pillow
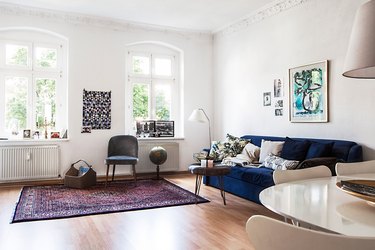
{"x": 318, "y": 149}
{"x": 270, "y": 147}
{"x": 294, "y": 149}
{"x": 252, "y": 151}
{"x": 276, "y": 162}
{"x": 229, "y": 148}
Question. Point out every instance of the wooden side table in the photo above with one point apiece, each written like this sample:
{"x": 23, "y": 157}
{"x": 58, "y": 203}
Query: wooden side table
{"x": 217, "y": 170}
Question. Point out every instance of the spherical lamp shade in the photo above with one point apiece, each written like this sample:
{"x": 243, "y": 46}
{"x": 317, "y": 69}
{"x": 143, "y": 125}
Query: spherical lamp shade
{"x": 360, "y": 58}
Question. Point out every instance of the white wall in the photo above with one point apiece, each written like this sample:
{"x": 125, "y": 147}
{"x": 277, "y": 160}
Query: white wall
{"x": 247, "y": 61}
{"x": 97, "y": 62}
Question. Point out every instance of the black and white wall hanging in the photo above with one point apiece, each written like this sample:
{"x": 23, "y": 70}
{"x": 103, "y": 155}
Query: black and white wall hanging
{"x": 96, "y": 109}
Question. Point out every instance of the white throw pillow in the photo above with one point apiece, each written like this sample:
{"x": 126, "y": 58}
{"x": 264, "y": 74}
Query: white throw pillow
{"x": 252, "y": 151}
{"x": 270, "y": 147}
{"x": 275, "y": 162}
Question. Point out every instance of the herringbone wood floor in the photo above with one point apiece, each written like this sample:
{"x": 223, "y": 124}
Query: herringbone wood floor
{"x": 204, "y": 226}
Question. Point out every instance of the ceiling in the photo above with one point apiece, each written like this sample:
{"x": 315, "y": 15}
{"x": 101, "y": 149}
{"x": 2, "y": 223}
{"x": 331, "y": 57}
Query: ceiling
{"x": 197, "y": 15}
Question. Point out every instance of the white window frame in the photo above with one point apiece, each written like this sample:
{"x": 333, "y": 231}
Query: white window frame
{"x": 32, "y": 72}
{"x": 153, "y": 79}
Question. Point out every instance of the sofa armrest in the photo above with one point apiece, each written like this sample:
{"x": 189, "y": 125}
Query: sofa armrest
{"x": 330, "y": 162}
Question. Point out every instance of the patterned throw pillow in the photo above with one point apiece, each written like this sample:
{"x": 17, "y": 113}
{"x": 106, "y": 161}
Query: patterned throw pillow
{"x": 276, "y": 162}
{"x": 233, "y": 146}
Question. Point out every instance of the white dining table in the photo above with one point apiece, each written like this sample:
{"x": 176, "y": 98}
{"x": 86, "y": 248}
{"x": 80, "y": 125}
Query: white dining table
{"x": 320, "y": 203}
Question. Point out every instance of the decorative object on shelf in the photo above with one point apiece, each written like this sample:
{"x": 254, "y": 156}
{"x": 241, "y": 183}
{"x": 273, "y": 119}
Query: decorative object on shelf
{"x": 55, "y": 135}
{"x": 198, "y": 115}
{"x": 145, "y": 128}
{"x": 164, "y": 128}
{"x": 158, "y": 155}
{"x": 26, "y": 134}
{"x": 97, "y": 109}
{"x": 45, "y": 125}
{"x": 267, "y": 99}
{"x": 308, "y": 93}
{"x": 360, "y": 58}
{"x": 36, "y": 134}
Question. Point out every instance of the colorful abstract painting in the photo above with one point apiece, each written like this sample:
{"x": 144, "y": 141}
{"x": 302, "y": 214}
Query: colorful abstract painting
{"x": 96, "y": 109}
{"x": 308, "y": 89}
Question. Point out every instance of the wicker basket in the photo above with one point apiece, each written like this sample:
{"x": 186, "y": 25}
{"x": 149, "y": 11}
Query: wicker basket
{"x": 73, "y": 180}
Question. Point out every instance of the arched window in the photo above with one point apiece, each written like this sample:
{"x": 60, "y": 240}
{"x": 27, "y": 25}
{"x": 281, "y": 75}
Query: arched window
{"x": 33, "y": 88}
{"x": 153, "y": 85}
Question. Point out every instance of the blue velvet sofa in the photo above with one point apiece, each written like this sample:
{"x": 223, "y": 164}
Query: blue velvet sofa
{"x": 248, "y": 182}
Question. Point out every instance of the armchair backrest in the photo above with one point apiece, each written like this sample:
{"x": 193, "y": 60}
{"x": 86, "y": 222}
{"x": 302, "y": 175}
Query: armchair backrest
{"x": 123, "y": 145}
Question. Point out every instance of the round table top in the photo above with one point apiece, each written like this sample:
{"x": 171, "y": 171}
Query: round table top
{"x": 216, "y": 170}
{"x": 321, "y": 203}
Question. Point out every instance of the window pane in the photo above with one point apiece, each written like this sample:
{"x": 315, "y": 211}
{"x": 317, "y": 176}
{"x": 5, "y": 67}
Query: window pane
{"x": 16, "y": 55}
{"x": 140, "y": 101}
{"x": 15, "y": 103}
{"x": 46, "y": 57}
{"x": 163, "y": 102}
{"x": 163, "y": 66}
{"x": 45, "y": 102}
{"x": 141, "y": 65}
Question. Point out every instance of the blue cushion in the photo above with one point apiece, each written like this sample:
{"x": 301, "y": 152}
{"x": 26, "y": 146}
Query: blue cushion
{"x": 259, "y": 176}
{"x": 295, "y": 150}
{"x": 318, "y": 149}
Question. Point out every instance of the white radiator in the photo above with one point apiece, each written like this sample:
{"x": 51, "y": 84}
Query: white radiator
{"x": 146, "y": 166}
{"x": 29, "y": 162}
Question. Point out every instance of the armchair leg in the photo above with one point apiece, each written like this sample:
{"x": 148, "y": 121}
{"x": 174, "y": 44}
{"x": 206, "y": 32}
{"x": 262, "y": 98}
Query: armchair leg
{"x": 134, "y": 173}
{"x": 113, "y": 172}
{"x": 106, "y": 177}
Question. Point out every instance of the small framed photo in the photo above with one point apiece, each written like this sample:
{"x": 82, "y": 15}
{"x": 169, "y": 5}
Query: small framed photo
{"x": 278, "y": 88}
{"x": 164, "y": 128}
{"x": 267, "y": 99}
{"x": 27, "y": 134}
{"x": 55, "y": 135}
{"x": 86, "y": 129}
{"x": 145, "y": 128}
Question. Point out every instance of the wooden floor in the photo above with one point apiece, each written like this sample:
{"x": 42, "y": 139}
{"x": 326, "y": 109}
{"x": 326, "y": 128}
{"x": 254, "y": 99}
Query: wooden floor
{"x": 204, "y": 226}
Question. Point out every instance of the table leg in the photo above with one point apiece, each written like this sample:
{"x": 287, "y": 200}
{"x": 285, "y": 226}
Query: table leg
{"x": 221, "y": 183}
{"x": 198, "y": 182}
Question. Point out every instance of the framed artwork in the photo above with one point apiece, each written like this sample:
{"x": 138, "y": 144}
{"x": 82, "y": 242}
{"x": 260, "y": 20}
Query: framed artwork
{"x": 26, "y": 134}
{"x": 278, "y": 88}
{"x": 55, "y": 135}
{"x": 164, "y": 128}
{"x": 308, "y": 93}
{"x": 96, "y": 109}
{"x": 267, "y": 99}
{"x": 145, "y": 128}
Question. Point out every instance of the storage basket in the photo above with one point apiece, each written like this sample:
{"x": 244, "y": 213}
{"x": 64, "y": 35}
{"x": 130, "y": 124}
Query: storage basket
{"x": 74, "y": 180}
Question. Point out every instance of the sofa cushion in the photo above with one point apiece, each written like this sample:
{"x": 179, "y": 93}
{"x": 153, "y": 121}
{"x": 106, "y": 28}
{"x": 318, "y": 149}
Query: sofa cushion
{"x": 229, "y": 148}
{"x": 276, "y": 162}
{"x": 252, "y": 151}
{"x": 317, "y": 150}
{"x": 294, "y": 149}
{"x": 259, "y": 176}
{"x": 270, "y": 147}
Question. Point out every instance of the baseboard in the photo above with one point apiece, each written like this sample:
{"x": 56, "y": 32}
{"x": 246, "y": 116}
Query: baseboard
{"x": 100, "y": 178}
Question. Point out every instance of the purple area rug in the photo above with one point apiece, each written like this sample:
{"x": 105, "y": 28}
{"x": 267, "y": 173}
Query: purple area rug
{"x": 57, "y": 201}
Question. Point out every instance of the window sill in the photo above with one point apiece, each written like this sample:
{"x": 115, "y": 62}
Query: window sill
{"x": 31, "y": 141}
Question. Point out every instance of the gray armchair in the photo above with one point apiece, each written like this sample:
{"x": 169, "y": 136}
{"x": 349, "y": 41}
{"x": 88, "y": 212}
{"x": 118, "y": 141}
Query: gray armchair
{"x": 122, "y": 150}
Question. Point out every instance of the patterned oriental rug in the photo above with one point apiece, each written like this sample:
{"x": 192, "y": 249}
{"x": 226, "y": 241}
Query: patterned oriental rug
{"x": 57, "y": 201}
